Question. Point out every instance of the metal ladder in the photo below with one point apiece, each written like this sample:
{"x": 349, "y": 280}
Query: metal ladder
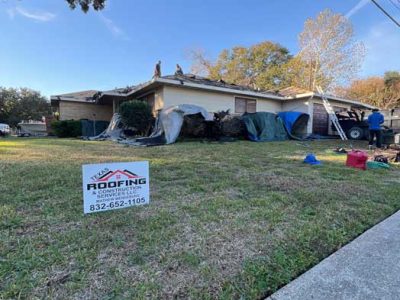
{"x": 331, "y": 113}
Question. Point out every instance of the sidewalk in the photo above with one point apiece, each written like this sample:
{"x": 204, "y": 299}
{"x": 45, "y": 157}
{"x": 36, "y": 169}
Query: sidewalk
{"x": 366, "y": 268}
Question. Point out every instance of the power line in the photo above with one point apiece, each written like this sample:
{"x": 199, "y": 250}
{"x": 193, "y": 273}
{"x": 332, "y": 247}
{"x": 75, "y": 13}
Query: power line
{"x": 386, "y": 13}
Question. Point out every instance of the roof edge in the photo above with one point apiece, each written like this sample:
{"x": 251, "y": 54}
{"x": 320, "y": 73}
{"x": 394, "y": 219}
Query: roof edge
{"x": 215, "y": 88}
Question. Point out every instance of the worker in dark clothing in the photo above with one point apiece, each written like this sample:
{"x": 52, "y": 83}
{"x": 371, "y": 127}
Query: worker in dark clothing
{"x": 157, "y": 70}
{"x": 178, "y": 70}
{"x": 375, "y": 120}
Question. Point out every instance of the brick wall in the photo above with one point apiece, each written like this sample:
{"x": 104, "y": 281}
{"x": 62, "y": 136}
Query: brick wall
{"x": 76, "y": 111}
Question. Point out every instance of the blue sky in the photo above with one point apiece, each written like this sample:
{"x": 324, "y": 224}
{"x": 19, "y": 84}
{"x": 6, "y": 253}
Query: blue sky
{"x": 48, "y": 47}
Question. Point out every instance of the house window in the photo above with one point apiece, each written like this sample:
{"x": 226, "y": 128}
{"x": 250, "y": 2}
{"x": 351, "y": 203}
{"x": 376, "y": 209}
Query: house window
{"x": 243, "y": 105}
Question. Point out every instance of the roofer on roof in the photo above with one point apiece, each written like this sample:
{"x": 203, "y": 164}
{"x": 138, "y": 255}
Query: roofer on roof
{"x": 157, "y": 70}
{"x": 178, "y": 70}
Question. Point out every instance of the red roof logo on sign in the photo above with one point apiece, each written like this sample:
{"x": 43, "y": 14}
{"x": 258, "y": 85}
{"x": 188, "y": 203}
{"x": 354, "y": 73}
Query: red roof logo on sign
{"x": 118, "y": 175}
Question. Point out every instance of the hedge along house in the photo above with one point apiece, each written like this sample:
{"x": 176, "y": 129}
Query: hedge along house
{"x": 215, "y": 96}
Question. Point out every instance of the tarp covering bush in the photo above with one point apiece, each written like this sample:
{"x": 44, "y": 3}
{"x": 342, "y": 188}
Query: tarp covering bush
{"x": 264, "y": 126}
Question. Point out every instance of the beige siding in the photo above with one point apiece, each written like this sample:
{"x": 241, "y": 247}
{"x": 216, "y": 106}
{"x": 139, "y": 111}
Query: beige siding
{"x": 76, "y": 111}
{"x": 158, "y": 99}
{"x": 269, "y": 105}
{"x": 211, "y": 101}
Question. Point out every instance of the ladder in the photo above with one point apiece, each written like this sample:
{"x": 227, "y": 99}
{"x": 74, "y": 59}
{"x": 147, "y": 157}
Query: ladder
{"x": 332, "y": 114}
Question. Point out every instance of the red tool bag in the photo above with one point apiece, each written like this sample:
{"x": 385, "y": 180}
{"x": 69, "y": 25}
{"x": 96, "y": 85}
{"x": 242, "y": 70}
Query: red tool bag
{"x": 357, "y": 159}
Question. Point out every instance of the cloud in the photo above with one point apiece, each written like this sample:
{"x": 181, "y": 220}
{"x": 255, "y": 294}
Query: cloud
{"x": 113, "y": 28}
{"x": 356, "y": 8}
{"x": 382, "y": 43}
{"x": 40, "y": 16}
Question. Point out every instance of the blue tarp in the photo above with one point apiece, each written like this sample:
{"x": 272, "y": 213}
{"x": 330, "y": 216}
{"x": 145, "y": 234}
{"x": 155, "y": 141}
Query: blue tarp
{"x": 295, "y": 123}
{"x": 289, "y": 118}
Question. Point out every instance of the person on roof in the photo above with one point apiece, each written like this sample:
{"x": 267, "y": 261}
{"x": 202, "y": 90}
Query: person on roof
{"x": 374, "y": 121}
{"x": 157, "y": 70}
{"x": 178, "y": 70}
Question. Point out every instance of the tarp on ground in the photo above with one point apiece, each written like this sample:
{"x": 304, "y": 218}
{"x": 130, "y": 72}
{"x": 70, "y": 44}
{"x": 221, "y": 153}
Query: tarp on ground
{"x": 169, "y": 124}
{"x": 113, "y": 131}
{"x": 295, "y": 123}
{"x": 264, "y": 126}
{"x": 92, "y": 128}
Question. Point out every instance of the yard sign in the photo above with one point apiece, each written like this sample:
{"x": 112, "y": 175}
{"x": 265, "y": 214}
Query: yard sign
{"x": 115, "y": 185}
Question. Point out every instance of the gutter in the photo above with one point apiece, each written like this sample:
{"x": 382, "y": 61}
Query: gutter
{"x": 332, "y": 98}
{"x": 56, "y": 98}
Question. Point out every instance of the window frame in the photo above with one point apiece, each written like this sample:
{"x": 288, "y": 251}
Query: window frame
{"x": 246, "y": 99}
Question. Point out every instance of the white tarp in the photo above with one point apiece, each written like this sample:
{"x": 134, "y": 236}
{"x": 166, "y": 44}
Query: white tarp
{"x": 170, "y": 120}
{"x": 113, "y": 131}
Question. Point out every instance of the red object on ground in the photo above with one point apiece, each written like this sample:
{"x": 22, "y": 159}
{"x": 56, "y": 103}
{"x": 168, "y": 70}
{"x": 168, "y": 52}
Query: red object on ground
{"x": 357, "y": 159}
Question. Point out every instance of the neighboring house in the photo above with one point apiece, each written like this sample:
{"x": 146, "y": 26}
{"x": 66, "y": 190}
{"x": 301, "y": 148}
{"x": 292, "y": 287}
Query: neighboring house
{"x": 214, "y": 96}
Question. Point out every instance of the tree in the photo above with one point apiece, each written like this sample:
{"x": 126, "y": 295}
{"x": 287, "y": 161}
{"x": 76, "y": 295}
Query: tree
{"x": 258, "y": 66}
{"x": 86, "y": 4}
{"x": 383, "y": 92}
{"x": 137, "y": 115}
{"x": 328, "y": 54}
{"x": 21, "y": 104}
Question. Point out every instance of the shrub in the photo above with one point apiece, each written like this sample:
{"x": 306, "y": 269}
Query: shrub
{"x": 137, "y": 115}
{"x": 67, "y": 128}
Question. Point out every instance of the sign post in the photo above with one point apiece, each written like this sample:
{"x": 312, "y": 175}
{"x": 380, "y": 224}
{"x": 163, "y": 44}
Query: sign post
{"x": 111, "y": 186}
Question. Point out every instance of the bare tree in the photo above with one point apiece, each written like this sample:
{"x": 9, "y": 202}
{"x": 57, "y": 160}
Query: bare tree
{"x": 201, "y": 65}
{"x": 328, "y": 50}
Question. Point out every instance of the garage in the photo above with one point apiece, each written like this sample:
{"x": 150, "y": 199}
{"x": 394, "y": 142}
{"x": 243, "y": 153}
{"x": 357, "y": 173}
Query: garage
{"x": 320, "y": 120}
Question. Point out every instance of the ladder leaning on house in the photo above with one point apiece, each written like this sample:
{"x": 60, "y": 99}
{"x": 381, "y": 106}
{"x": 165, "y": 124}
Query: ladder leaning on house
{"x": 329, "y": 109}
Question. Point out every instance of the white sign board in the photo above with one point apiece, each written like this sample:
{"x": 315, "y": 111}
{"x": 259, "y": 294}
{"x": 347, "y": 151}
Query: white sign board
{"x": 115, "y": 185}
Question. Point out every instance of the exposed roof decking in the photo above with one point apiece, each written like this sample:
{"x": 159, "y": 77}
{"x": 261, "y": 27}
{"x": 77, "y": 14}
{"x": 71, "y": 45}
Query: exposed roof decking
{"x": 200, "y": 83}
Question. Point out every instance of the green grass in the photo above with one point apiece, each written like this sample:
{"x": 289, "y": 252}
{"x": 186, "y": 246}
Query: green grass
{"x": 228, "y": 221}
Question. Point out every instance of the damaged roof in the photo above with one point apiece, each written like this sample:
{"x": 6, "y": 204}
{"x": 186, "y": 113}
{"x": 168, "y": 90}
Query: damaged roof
{"x": 293, "y": 91}
{"x": 190, "y": 78}
{"x": 82, "y": 96}
{"x": 197, "y": 82}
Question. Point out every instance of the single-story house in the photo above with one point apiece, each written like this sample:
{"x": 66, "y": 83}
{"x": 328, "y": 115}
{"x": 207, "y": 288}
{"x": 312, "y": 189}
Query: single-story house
{"x": 80, "y": 105}
{"x": 213, "y": 95}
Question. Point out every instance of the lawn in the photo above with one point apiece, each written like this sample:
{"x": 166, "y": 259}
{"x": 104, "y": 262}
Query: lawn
{"x": 233, "y": 220}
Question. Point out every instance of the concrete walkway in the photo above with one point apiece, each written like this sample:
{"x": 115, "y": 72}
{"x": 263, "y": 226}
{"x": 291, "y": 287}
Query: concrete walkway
{"x": 366, "y": 268}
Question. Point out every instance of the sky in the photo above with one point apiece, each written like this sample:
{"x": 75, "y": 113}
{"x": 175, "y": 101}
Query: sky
{"x": 48, "y": 47}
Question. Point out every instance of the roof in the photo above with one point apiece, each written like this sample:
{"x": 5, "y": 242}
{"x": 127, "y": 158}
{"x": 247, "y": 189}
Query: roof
{"x": 293, "y": 91}
{"x": 82, "y": 96}
{"x": 190, "y": 78}
{"x": 202, "y": 83}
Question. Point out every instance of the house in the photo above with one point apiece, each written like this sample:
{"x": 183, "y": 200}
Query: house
{"x": 213, "y": 95}
{"x": 80, "y": 105}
